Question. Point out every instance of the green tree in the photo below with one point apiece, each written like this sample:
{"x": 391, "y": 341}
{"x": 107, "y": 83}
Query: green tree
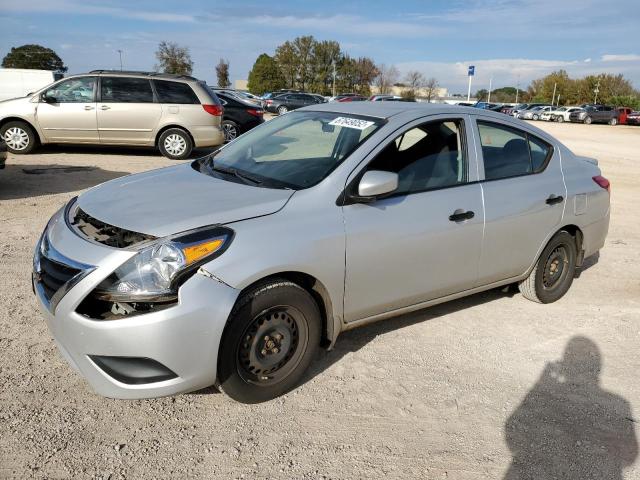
{"x": 173, "y": 58}
{"x": 287, "y": 59}
{"x": 326, "y": 53}
{"x": 33, "y": 57}
{"x": 265, "y": 76}
{"x": 222, "y": 72}
{"x": 482, "y": 94}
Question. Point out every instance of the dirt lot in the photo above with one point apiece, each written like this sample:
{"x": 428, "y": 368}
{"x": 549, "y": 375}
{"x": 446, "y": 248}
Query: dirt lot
{"x": 456, "y": 391}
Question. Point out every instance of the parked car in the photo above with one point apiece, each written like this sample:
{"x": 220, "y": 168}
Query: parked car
{"x": 321, "y": 98}
{"x": 352, "y": 98}
{"x": 534, "y": 112}
{"x": 384, "y": 98}
{"x": 495, "y": 107}
{"x": 174, "y": 113}
{"x": 3, "y": 153}
{"x": 523, "y": 107}
{"x": 264, "y": 252}
{"x": 239, "y": 116}
{"x": 247, "y": 97}
{"x": 339, "y": 97}
{"x": 596, "y": 114}
{"x": 19, "y": 82}
{"x": 290, "y": 101}
{"x": 560, "y": 114}
{"x": 633, "y": 118}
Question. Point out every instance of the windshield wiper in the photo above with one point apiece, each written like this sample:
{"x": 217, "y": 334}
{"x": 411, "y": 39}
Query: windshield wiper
{"x": 248, "y": 179}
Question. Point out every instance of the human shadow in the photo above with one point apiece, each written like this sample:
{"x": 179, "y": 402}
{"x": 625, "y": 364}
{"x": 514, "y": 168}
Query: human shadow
{"x": 568, "y": 427}
{"x": 25, "y": 181}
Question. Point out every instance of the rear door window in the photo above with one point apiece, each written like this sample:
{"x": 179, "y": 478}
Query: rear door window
{"x": 510, "y": 152}
{"x": 126, "y": 90}
{"x": 175, "y": 92}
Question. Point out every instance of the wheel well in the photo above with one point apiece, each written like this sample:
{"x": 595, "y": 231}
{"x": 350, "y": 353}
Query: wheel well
{"x": 167, "y": 127}
{"x": 4, "y": 121}
{"x": 576, "y": 233}
{"x": 319, "y": 293}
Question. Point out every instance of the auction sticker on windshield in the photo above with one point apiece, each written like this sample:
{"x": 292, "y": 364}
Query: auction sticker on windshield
{"x": 351, "y": 123}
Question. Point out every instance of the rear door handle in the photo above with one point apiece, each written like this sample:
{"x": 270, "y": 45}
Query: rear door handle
{"x": 105, "y": 107}
{"x": 89, "y": 107}
{"x": 553, "y": 199}
{"x": 460, "y": 215}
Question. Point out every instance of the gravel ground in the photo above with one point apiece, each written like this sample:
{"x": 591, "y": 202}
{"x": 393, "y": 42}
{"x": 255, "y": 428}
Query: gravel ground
{"x": 491, "y": 386}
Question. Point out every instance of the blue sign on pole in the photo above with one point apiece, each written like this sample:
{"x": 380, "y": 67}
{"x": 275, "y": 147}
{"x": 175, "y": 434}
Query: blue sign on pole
{"x": 472, "y": 70}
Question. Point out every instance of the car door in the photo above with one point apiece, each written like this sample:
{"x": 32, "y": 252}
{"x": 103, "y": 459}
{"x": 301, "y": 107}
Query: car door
{"x": 524, "y": 195}
{"x": 424, "y": 240}
{"x": 66, "y": 112}
{"x": 127, "y": 111}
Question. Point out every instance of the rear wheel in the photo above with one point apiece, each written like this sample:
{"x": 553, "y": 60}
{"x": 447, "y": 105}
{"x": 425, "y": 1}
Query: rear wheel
{"x": 230, "y": 129}
{"x": 272, "y": 335}
{"x": 559, "y": 119}
{"x": 282, "y": 110}
{"x": 613, "y": 121}
{"x": 552, "y": 276}
{"x": 175, "y": 144}
{"x": 535, "y": 116}
{"x": 19, "y": 137}
{"x": 587, "y": 120}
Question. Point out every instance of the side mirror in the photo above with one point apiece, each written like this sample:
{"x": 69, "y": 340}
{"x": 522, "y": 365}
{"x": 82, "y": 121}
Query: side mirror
{"x": 377, "y": 182}
{"x": 48, "y": 99}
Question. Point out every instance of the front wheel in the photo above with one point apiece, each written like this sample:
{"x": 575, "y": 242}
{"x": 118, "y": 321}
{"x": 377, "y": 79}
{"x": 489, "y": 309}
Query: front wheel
{"x": 271, "y": 337}
{"x": 282, "y": 110}
{"x": 613, "y": 121}
{"x": 559, "y": 119}
{"x": 536, "y": 117}
{"x": 19, "y": 137}
{"x": 552, "y": 276}
{"x": 587, "y": 120}
{"x": 175, "y": 144}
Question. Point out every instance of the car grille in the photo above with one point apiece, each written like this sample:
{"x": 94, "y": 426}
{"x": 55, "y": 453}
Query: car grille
{"x": 98, "y": 231}
{"x": 54, "y": 274}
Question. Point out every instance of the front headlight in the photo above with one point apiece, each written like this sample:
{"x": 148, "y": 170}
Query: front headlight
{"x": 155, "y": 272}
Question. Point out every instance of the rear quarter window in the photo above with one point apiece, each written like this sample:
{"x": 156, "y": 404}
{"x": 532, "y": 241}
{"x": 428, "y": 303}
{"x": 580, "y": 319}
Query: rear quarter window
{"x": 175, "y": 92}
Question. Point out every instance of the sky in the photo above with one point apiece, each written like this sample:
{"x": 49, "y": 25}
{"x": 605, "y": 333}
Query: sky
{"x": 509, "y": 41}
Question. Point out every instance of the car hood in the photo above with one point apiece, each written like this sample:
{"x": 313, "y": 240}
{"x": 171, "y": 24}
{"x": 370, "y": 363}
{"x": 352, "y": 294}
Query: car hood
{"x": 175, "y": 199}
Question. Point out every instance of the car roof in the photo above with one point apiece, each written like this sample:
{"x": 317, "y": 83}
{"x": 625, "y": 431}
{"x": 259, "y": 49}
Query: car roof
{"x": 390, "y": 109}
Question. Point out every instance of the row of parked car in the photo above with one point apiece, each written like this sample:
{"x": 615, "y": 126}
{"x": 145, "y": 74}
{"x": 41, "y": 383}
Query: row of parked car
{"x": 586, "y": 113}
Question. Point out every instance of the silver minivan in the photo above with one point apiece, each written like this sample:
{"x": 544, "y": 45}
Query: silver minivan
{"x": 316, "y": 222}
{"x": 174, "y": 113}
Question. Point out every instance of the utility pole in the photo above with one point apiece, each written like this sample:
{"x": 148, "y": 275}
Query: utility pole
{"x": 558, "y": 101}
{"x": 333, "y": 87}
{"x": 553, "y": 98}
{"x": 517, "y": 89}
{"x": 120, "y": 53}
{"x": 596, "y": 90}
{"x": 490, "y": 82}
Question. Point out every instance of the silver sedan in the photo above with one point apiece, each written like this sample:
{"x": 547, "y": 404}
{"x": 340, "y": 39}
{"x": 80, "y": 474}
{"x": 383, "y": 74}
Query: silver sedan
{"x": 234, "y": 270}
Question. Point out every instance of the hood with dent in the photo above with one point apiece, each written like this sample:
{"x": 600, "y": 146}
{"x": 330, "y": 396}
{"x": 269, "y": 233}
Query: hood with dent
{"x": 174, "y": 199}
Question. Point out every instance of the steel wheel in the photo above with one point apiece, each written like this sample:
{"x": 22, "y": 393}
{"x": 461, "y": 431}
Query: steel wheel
{"x": 230, "y": 131}
{"x": 175, "y": 144}
{"x": 16, "y": 138}
{"x": 555, "y": 268}
{"x": 272, "y": 345}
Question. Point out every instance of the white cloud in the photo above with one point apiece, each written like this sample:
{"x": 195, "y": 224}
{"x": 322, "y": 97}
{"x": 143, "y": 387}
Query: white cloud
{"x": 621, "y": 58}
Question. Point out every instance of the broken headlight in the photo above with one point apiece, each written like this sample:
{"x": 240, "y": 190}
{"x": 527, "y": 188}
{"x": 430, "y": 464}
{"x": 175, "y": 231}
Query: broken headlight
{"x": 156, "y": 271}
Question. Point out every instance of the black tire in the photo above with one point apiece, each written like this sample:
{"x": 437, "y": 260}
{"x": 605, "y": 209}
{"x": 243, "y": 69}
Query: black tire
{"x": 230, "y": 129}
{"x": 587, "y": 120}
{"x": 23, "y": 139}
{"x": 553, "y": 274}
{"x": 282, "y": 109}
{"x": 175, "y": 143}
{"x": 272, "y": 335}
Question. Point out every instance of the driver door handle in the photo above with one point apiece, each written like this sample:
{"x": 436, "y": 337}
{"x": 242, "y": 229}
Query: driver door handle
{"x": 104, "y": 107}
{"x": 553, "y": 199}
{"x": 89, "y": 107}
{"x": 460, "y": 215}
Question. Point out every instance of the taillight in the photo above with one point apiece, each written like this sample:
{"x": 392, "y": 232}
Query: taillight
{"x": 603, "y": 182}
{"x": 269, "y": 102}
{"x": 254, "y": 112}
{"x": 216, "y": 110}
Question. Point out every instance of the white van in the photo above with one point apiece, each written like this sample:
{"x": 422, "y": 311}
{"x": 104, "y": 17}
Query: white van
{"x": 18, "y": 82}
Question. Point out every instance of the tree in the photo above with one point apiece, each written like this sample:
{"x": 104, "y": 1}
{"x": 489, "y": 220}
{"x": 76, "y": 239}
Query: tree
{"x": 325, "y": 55}
{"x": 33, "y": 57}
{"x": 265, "y": 76}
{"x": 173, "y": 58}
{"x": 387, "y": 77}
{"x": 287, "y": 59}
{"x": 222, "y": 72}
{"x": 414, "y": 80}
{"x": 430, "y": 88}
{"x": 482, "y": 94}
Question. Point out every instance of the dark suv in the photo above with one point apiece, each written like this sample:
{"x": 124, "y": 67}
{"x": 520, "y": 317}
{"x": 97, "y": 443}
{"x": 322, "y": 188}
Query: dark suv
{"x": 595, "y": 114}
{"x": 290, "y": 101}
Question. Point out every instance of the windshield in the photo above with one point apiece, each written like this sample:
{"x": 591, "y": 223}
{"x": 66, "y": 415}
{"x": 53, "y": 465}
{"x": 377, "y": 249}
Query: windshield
{"x": 296, "y": 150}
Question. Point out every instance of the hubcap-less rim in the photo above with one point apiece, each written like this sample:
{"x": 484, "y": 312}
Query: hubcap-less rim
{"x": 175, "y": 144}
{"x": 230, "y": 132}
{"x": 272, "y": 346}
{"x": 16, "y": 138}
{"x": 282, "y": 110}
{"x": 555, "y": 268}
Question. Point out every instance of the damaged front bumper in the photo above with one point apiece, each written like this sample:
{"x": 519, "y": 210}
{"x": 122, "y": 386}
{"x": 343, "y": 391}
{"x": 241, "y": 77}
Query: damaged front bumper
{"x": 165, "y": 352}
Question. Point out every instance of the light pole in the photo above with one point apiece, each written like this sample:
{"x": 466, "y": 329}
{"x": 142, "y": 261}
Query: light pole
{"x": 596, "y": 90}
{"x": 470, "y": 73}
{"x": 517, "y": 89}
{"x": 120, "y": 53}
{"x": 553, "y": 98}
{"x": 333, "y": 86}
{"x": 490, "y": 82}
